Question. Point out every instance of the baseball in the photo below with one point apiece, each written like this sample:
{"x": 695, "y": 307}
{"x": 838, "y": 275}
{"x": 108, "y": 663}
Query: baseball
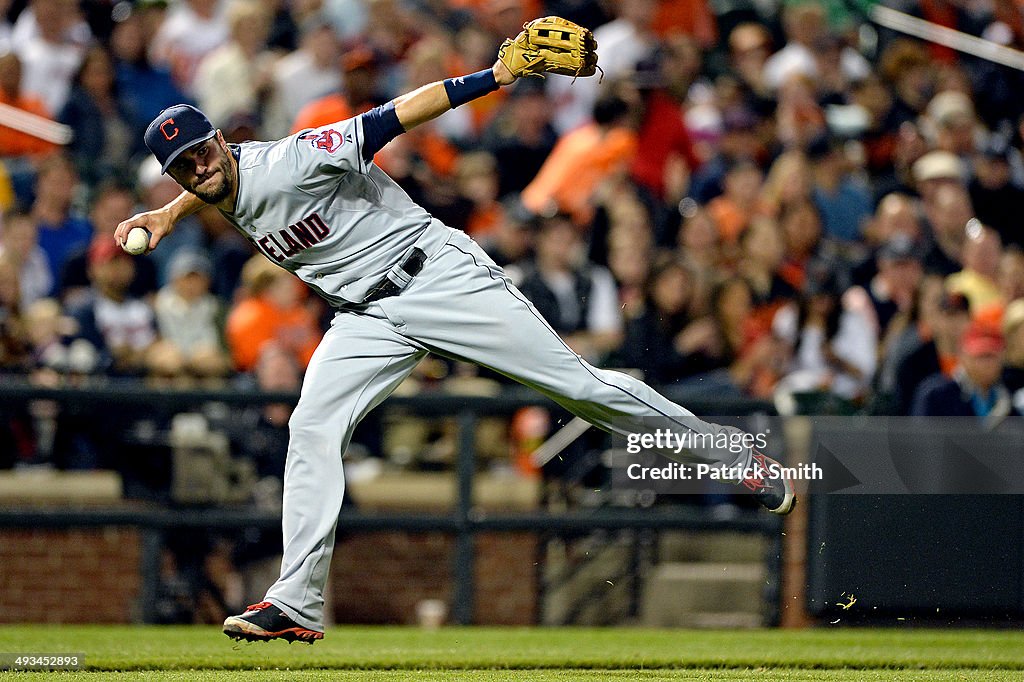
{"x": 137, "y": 241}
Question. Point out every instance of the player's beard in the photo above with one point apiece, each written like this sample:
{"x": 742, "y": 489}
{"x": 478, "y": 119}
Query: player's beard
{"x": 220, "y": 190}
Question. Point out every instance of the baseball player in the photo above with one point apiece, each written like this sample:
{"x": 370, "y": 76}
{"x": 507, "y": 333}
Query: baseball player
{"x": 403, "y": 284}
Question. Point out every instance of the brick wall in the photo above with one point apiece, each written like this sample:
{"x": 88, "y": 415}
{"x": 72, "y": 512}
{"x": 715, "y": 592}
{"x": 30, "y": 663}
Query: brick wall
{"x": 380, "y": 577}
{"x": 69, "y": 575}
{"x": 92, "y": 576}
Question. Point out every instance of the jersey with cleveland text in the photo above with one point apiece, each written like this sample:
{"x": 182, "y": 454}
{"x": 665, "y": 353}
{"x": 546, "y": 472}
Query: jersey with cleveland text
{"x": 312, "y": 204}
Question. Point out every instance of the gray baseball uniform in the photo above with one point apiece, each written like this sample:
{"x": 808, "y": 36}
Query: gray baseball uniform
{"x": 313, "y": 203}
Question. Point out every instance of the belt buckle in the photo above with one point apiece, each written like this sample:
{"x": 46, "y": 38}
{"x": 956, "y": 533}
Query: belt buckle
{"x": 410, "y": 266}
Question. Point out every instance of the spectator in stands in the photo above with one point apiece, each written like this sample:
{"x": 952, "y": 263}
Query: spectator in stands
{"x": 15, "y": 143}
{"x": 62, "y": 231}
{"x": 630, "y": 263}
{"x": 976, "y": 388}
{"x": 302, "y": 76}
{"x": 190, "y": 321}
{"x": 578, "y": 298}
{"x": 16, "y": 425}
{"x": 512, "y": 240}
{"x": 750, "y": 45}
{"x": 19, "y": 243}
{"x": 477, "y": 178}
{"x": 624, "y": 41}
{"x": 937, "y": 169}
{"x": 799, "y": 118}
{"x": 236, "y": 76}
{"x": 953, "y": 122}
{"x": 664, "y": 340}
{"x": 805, "y": 244}
{"x": 5, "y": 27}
{"x": 119, "y": 326}
{"x": 748, "y": 362}
{"x": 947, "y": 212}
{"x": 190, "y": 30}
{"x": 979, "y": 279}
{"x": 938, "y": 348}
{"x": 788, "y": 180}
{"x": 691, "y": 19}
{"x": 733, "y": 210}
{"x": 143, "y": 88}
{"x": 50, "y": 37}
{"x": 48, "y": 328}
{"x": 805, "y": 27}
{"x": 896, "y": 216}
{"x": 273, "y": 310}
{"x": 833, "y": 339}
{"x": 843, "y": 202}
{"x": 995, "y": 192}
{"x": 1011, "y": 274}
{"x": 14, "y": 340}
{"x": 905, "y": 67}
{"x": 740, "y": 141}
{"x": 761, "y": 256}
{"x": 1013, "y": 331}
{"x": 893, "y": 290}
{"x": 662, "y": 171}
{"x": 102, "y": 137}
{"x": 113, "y": 201}
{"x": 583, "y": 159}
{"x": 521, "y": 136}
{"x": 907, "y": 332}
{"x": 700, "y": 244}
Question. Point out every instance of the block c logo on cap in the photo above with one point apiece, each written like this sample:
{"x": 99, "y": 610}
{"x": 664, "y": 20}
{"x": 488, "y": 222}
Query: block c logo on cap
{"x": 163, "y": 129}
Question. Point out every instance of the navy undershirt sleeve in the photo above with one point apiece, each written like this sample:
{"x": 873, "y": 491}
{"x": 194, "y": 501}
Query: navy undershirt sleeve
{"x": 380, "y": 126}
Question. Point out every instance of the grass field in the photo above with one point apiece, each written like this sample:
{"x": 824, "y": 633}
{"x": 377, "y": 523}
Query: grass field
{"x": 395, "y": 653}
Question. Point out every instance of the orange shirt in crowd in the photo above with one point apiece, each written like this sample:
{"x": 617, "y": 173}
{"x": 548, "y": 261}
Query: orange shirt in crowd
{"x": 730, "y": 218}
{"x": 328, "y": 109}
{"x": 580, "y": 161}
{"x": 991, "y": 314}
{"x": 484, "y": 219}
{"x": 255, "y": 321}
{"x": 689, "y": 17}
{"x": 17, "y": 143}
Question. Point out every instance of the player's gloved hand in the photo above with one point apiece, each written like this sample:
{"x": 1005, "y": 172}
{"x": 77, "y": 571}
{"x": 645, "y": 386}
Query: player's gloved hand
{"x": 550, "y": 45}
{"x": 158, "y": 222}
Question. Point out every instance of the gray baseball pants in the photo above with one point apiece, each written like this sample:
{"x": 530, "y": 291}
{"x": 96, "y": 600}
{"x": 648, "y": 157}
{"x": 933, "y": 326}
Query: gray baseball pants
{"x": 461, "y": 306}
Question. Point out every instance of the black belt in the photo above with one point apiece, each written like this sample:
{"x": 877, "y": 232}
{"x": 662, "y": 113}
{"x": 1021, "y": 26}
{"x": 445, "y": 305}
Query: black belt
{"x": 387, "y": 287}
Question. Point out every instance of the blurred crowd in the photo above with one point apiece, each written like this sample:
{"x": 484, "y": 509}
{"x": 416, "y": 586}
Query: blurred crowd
{"x": 758, "y": 198}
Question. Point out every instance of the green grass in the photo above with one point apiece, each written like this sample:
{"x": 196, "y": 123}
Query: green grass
{"x": 395, "y": 653}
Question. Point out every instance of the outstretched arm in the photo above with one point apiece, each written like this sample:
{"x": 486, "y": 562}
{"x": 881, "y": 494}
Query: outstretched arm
{"x": 405, "y": 112}
{"x": 430, "y": 101}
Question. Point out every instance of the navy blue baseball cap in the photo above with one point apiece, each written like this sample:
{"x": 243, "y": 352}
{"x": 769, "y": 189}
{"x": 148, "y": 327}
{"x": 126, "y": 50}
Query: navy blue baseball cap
{"x": 174, "y": 130}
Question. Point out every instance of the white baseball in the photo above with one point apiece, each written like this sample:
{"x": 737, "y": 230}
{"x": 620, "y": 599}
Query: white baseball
{"x": 137, "y": 241}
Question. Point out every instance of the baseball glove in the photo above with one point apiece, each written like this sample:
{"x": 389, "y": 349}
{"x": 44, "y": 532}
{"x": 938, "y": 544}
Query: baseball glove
{"x": 550, "y": 45}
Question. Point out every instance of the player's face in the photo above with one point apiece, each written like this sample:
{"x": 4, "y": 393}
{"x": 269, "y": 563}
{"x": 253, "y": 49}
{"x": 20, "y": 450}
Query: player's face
{"x": 205, "y": 170}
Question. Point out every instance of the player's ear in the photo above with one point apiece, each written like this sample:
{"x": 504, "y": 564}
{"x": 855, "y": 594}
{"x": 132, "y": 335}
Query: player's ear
{"x": 221, "y": 141}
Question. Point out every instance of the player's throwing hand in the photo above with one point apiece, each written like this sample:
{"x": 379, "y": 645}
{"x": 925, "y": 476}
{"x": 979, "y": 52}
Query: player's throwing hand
{"x": 158, "y": 223}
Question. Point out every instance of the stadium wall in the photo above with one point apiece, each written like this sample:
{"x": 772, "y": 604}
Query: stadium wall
{"x": 92, "y": 576}
{"x": 69, "y": 575}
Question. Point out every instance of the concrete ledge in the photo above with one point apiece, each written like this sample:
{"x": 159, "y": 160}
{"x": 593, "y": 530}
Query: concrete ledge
{"x": 422, "y": 491}
{"x": 49, "y": 486}
{"x": 704, "y": 595}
